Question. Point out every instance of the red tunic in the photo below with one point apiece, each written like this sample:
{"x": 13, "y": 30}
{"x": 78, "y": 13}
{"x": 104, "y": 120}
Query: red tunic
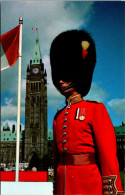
{"x": 93, "y": 134}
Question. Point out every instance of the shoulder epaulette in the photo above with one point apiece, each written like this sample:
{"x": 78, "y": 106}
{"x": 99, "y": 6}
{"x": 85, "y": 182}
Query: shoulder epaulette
{"x": 93, "y": 101}
{"x": 57, "y": 114}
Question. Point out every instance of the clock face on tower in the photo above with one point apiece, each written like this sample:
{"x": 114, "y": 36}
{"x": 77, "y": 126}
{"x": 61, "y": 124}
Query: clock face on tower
{"x": 35, "y": 70}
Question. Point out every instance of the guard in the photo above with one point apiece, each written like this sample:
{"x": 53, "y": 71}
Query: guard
{"x": 85, "y": 161}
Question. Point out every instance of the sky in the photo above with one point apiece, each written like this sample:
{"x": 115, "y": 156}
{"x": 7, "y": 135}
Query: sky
{"x": 103, "y": 20}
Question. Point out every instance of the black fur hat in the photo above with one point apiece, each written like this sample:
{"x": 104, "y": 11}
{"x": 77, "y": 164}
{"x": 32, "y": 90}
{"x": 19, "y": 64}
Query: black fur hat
{"x": 73, "y": 58}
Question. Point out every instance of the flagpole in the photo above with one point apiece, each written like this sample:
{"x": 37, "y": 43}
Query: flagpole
{"x": 19, "y": 100}
{"x": 37, "y": 34}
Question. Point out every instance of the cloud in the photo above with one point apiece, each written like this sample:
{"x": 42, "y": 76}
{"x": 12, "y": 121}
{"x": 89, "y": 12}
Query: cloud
{"x": 9, "y": 110}
{"x": 11, "y": 123}
{"x": 96, "y": 93}
{"x": 118, "y": 105}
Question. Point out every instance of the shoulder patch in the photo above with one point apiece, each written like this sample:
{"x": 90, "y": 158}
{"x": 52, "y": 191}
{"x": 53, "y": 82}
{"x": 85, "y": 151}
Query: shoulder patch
{"x": 93, "y": 101}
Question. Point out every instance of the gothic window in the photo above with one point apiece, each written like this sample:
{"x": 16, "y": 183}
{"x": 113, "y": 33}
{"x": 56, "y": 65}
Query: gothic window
{"x": 32, "y": 115}
{"x": 33, "y": 100}
{"x": 37, "y": 98}
{"x": 36, "y": 86}
{"x": 34, "y": 138}
{"x": 31, "y": 86}
{"x": 37, "y": 118}
{"x": 39, "y": 86}
{"x": 37, "y": 101}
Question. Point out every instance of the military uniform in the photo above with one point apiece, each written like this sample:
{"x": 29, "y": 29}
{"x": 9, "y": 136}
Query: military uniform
{"x": 85, "y": 160}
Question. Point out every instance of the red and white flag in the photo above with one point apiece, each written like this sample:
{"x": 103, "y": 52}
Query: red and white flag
{"x": 35, "y": 29}
{"x": 10, "y": 47}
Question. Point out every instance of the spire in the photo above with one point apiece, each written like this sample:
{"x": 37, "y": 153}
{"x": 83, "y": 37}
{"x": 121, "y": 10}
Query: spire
{"x": 36, "y": 54}
{"x": 45, "y": 74}
{"x": 6, "y": 127}
{"x": 28, "y": 69}
{"x": 123, "y": 123}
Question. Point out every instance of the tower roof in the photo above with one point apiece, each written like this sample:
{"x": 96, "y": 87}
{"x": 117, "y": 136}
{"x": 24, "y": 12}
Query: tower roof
{"x": 6, "y": 125}
{"x": 36, "y": 54}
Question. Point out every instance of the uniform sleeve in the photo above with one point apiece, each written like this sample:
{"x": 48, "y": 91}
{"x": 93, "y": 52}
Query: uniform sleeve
{"x": 55, "y": 157}
{"x": 107, "y": 150}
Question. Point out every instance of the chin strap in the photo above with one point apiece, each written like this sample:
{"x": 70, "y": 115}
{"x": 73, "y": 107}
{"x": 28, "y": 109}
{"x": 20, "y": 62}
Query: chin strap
{"x": 109, "y": 187}
{"x": 68, "y": 86}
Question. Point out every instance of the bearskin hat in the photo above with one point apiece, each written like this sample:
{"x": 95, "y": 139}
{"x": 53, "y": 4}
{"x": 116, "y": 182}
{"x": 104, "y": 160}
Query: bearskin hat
{"x": 72, "y": 59}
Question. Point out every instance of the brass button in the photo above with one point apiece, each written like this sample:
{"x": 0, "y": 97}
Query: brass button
{"x": 65, "y": 119}
{"x": 64, "y": 134}
{"x": 66, "y": 113}
{"x": 64, "y": 126}
{"x": 64, "y": 141}
{"x": 68, "y": 107}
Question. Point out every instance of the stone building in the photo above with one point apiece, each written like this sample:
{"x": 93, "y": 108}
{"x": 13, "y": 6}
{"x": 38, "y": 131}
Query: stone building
{"x": 36, "y": 108}
{"x": 120, "y": 137}
{"x": 8, "y": 144}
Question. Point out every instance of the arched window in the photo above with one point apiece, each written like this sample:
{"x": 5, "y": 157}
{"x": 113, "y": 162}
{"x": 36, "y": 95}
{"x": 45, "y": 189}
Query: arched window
{"x": 39, "y": 86}
{"x": 36, "y": 86}
{"x": 34, "y": 138}
{"x": 31, "y": 86}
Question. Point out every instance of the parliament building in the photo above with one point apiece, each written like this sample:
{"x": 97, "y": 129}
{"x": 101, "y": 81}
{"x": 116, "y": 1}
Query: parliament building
{"x": 36, "y": 108}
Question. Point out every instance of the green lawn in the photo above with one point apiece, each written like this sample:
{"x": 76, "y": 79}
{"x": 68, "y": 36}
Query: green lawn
{"x": 50, "y": 179}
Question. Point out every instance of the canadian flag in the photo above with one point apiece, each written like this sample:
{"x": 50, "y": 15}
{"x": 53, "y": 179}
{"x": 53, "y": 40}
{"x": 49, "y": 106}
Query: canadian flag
{"x": 10, "y": 47}
{"x": 35, "y": 29}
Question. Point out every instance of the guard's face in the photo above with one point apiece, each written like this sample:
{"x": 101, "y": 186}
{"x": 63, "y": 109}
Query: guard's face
{"x": 66, "y": 88}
